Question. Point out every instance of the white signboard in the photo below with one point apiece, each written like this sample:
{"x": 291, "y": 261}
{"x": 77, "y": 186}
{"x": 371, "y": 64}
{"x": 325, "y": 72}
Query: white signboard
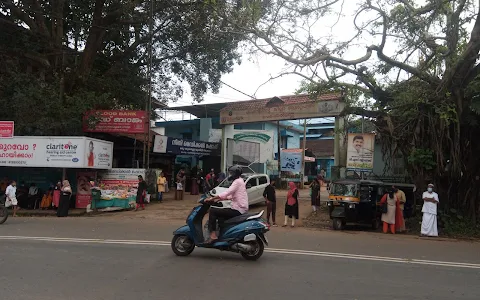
{"x": 99, "y": 154}
{"x": 291, "y": 161}
{"x": 56, "y": 152}
{"x": 262, "y": 137}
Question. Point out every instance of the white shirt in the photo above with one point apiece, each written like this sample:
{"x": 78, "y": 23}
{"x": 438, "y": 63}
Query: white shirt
{"x": 429, "y": 207}
{"x": 11, "y": 192}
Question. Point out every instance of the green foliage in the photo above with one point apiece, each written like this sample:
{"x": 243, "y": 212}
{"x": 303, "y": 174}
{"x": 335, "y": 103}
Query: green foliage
{"x": 422, "y": 158}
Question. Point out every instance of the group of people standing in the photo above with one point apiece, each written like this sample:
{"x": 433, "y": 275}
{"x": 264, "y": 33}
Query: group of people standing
{"x": 394, "y": 202}
{"x": 291, "y": 205}
{"x": 57, "y": 197}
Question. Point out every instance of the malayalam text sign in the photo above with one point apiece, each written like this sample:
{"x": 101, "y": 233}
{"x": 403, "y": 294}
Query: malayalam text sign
{"x": 164, "y": 144}
{"x": 7, "y": 129}
{"x": 115, "y": 121}
{"x": 329, "y": 108}
{"x": 360, "y": 151}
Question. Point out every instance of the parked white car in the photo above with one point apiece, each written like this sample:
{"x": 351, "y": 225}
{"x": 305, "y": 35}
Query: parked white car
{"x": 255, "y": 183}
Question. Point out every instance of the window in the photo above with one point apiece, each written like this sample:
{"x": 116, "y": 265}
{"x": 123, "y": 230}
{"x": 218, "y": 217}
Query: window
{"x": 251, "y": 182}
{"x": 262, "y": 180}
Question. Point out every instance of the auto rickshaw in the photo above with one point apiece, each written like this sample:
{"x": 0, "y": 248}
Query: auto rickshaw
{"x": 355, "y": 201}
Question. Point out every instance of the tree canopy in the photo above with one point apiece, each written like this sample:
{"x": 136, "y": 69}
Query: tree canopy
{"x": 60, "y": 58}
{"x": 417, "y": 61}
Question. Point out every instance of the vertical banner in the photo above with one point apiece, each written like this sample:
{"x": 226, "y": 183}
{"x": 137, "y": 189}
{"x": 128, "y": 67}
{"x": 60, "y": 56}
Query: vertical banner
{"x": 84, "y": 192}
{"x": 360, "y": 151}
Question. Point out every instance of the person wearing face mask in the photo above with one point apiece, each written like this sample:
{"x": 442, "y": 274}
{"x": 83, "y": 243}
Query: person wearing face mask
{"x": 400, "y": 220}
{"x": 429, "y": 210}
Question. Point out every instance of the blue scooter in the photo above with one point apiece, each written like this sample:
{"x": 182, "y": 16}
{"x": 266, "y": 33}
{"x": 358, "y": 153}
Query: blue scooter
{"x": 244, "y": 234}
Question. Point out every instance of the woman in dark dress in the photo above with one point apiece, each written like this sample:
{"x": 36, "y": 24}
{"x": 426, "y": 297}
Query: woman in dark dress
{"x": 315, "y": 195}
{"x": 291, "y": 206}
{"x": 64, "y": 203}
{"x": 141, "y": 193}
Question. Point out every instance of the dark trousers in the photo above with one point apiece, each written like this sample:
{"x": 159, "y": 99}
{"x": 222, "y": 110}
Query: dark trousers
{"x": 271, "y": 211}
{"x": 220, "y": 213}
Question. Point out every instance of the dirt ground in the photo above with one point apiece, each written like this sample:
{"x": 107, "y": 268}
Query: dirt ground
{"x": 171, "y": 209}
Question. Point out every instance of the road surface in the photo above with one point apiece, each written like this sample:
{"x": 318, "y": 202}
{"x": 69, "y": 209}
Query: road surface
{"x": 101, "y": 258}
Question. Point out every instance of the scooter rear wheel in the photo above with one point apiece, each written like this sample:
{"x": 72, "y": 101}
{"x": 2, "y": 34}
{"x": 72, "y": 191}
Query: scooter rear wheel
{"x": 182, "y": 245}
{"x": 3, "y": 214}
{"x": 257, "y": 250}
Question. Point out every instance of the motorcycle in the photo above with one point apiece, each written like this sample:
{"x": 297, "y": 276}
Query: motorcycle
{"x": 3, "y": 209}
{"x": 244, "y": 234}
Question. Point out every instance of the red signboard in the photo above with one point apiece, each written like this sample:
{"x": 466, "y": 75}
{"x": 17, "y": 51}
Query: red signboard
{"x": 115, "y": 121}
{"x": 6, "y": 129}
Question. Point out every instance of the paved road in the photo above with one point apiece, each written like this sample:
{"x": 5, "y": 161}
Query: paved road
{"x": 133, "y": 264}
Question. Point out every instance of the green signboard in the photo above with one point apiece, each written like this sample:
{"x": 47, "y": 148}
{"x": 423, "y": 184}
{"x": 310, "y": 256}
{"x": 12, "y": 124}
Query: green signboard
{"x": 262, "y": 137}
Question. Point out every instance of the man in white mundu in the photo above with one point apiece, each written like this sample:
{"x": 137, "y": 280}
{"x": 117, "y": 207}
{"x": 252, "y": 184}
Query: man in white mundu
{"x": 429, "y": 210}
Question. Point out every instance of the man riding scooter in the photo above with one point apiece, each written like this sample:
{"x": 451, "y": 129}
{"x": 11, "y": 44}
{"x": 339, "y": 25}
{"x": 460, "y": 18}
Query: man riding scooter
{"x": 238, "y": 192}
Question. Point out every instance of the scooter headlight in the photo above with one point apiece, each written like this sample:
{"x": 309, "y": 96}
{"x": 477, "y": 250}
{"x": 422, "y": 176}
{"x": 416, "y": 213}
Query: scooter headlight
{"x": 352, "y": 205}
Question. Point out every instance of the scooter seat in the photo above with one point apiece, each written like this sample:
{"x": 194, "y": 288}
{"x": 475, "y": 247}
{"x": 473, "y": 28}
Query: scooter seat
{"x": 243, "y": 218}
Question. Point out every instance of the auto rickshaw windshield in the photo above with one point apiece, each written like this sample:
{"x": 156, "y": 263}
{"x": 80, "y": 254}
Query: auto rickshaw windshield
{"x": 342, "y": 189}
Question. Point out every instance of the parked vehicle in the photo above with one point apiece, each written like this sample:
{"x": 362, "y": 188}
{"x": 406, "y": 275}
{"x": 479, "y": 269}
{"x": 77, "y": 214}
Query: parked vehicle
{"x": 355, "y": 201}
{"x": 255, "y": 183}
{"x": 3, "y": 209}
{"x": 244, "y": 234}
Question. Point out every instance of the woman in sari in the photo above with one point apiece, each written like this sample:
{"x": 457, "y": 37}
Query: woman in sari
{"x": 391, "y": 216}
{"x": 56, "y": 194}
{"x": 65, "y": 195}
{"x": 47, "y": 199}
{"x": 291, "y": 206}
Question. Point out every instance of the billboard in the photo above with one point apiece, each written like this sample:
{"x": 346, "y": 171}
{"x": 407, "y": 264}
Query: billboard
{"x": 7, "y": 129}
{"x": 99, "y": 154}
{"x": 165, "y": 144}
{"x": 291, "y": 161}
{"x": 360, "y": 151}
{"x": 287, "y": 111}
{"x": 115, "y": 121}
{"x": 55, "y": 152}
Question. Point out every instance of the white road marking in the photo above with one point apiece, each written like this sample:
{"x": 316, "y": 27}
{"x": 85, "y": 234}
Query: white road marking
{"x": 268, "y": 250}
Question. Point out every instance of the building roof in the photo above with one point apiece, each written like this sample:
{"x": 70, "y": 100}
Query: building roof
{"x": 275, "y": 101}
{"x": 213, "y": 110}
{"x": 321, "y": 148}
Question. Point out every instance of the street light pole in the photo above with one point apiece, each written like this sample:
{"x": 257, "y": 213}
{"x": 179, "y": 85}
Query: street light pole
{"x": 304, "y": 146}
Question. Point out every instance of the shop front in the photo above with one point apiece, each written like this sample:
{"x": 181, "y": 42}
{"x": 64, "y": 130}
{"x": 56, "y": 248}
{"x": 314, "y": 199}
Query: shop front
{"x": 188, "y": 154}
{"x": 43, "y": 161}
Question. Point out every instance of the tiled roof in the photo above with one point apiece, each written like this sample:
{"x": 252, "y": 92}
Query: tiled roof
{"x": 321, "y": 148}
{"x": 292, "y": 99}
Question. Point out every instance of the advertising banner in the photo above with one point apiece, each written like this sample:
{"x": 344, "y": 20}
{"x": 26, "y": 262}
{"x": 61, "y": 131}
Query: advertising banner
{"x": 120, "y": 177}
{"x": 84, "y": 193}
{"x": 115, "y": 121}
{"x": 7, "y": 129}
{"x": 164, "y": 144}
{"x": 291, "y": 161}
{"x": 99, "y": 154}
{"x": 360, "y": 151}
{"x": 59, "y": 152}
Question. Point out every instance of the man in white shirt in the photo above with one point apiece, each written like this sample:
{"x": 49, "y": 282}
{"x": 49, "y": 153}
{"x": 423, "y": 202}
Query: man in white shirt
{"x": 429, "y": 210}
{"x": 11, "y": 194}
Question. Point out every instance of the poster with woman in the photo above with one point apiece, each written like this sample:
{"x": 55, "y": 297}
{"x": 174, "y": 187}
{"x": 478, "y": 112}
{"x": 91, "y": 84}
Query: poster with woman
{"x": 84, "y": 188}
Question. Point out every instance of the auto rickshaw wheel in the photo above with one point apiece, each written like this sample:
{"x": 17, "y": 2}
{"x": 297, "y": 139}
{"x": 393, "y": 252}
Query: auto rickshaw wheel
{"x": 338, "y": 224}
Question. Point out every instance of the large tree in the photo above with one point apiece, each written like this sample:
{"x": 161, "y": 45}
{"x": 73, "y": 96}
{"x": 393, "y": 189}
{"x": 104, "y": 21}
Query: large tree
{"x": 418, "y": 61}
{"x": 60, "y": 58}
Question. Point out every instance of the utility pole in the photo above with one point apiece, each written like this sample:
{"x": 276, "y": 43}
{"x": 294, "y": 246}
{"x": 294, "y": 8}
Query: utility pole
{"x": 278, "y": 151}
{"x": 148, "y": 108}
{"x": 304, "y": 146}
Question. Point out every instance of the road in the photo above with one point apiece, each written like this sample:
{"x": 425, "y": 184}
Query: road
{"x": 108, "y": 258}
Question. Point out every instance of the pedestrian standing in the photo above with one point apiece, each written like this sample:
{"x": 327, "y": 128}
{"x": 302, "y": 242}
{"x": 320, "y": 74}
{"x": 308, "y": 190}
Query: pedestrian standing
{"x": 400, "y": 225}
{"x": 64, "y": 203}
{"x": 388, "y": 216}
{"x": 210, "y": 181}
{"x": 429, "y": 210}
{"x": 180, "y": 184}
{"x": 56, "y": 194}
{"x": 315, "y": 195}
{"x": 141, "y": 193}
{"x": 291, "y": 206}
{"x": 11, "y": 193}
{"x": 194, "y": 175}
{"x": 161, "y": 183}
{"x": 270, "y": 197}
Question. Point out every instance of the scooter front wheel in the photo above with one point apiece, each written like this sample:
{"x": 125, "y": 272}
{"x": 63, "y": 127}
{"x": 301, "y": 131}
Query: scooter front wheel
{"x": 256, "y": 251}
{"x": 182, "y": 245}
{"x": 3, "y": 214}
